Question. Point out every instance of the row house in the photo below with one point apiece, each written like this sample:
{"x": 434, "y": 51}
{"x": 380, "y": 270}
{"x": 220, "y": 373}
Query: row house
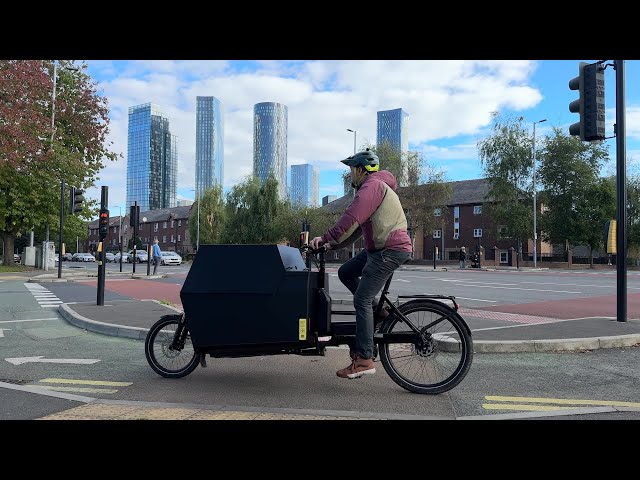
{"x": 461, "y": 223}
{"x": 169, "y": 225}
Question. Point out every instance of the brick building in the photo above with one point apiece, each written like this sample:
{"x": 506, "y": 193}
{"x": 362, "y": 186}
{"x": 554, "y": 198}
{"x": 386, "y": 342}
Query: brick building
{"x": 169, "y": 225}
{"x": 463, "y": 223}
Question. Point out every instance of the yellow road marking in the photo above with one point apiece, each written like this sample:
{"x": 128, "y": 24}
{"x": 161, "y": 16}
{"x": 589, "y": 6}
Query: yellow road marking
{"x": 563, "y": 401}
{"x": 77, "y": 389}
{"x": 86, "y": 382}
{"x": 511, "y": 406}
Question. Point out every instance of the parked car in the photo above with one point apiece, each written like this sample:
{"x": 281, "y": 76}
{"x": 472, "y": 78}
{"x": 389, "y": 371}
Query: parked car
{"x": 16, "y": 258}
{"x": 110, "y": 257}
{"x": 170, "y": 258}
{"x": 67, "y": 257}
{"x": 84, "y": 257}
{"x": 125, "y": 257}
{"x": 141, "y": 256}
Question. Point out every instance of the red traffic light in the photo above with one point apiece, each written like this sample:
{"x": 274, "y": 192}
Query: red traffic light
{"x": 104, "y": 215}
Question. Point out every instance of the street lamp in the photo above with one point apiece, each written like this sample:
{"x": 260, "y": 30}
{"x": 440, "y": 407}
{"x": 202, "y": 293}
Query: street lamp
{"x": 53, "y": 130}
{"x": 535, "y": 213}
{"x": 353, "y": 245}
{"x": 120, "y": 235}
{"x": 198, "y": 226}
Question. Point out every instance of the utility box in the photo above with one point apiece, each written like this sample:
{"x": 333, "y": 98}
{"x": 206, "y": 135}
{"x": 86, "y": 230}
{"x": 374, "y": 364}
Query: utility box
{"x": 241, "y": 295}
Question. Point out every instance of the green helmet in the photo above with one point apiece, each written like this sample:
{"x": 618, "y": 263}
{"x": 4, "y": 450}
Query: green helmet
{"x": 366, "y": 159}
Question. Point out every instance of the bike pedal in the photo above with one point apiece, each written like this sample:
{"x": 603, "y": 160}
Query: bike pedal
{"x": 203, "y": 360}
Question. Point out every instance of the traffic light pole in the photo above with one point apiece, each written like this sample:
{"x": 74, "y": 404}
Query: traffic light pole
{"x": 621, "y": 151}
{"x": 104, "y": 201}
{"x": 61, "y": 229}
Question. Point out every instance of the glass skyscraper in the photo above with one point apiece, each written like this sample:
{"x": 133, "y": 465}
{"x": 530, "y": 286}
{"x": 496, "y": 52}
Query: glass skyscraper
{"x": 209, "y": 143}
{"x": 392, "y": 127}
{"x": 270, "y": 143}
{"x": 152, "y": 158}
{"x": 305, "y": 185}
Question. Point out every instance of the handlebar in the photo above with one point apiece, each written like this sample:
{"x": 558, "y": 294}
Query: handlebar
{"x": 314, "y": 251}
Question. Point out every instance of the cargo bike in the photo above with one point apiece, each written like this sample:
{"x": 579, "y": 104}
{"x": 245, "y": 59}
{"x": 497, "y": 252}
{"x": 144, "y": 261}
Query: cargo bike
{"x": 255, "y": 300}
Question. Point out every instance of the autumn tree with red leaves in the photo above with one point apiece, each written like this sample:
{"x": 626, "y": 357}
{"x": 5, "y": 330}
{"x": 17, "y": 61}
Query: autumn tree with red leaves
{"x": 31, "y": 164}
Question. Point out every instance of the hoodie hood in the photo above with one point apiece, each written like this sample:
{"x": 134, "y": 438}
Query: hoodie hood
{"x": 387, "y": 177}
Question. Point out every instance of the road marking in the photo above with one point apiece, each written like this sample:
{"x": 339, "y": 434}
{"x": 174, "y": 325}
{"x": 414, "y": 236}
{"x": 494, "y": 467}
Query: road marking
{"x": 563, "y": 401}
{"x": 498, "y": 406}
{"x": 579, "y": 285}
{"x": 41, "y": 359}
{"x": 507, "y": 317}
{"x": 77, "y": 389}
{"x": 44, "y": 297}
{"x": 478, "y": 299}
{"x": 471, "y": 281}
{"x": 86, "y": 382}
{"x": 29, "y": 320}
{"x": 401, "y": 280}
{"x": 517, "y": 288}
{"x": 2, "y": 331}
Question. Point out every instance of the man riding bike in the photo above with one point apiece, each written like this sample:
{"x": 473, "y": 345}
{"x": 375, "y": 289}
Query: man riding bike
{"x": 377, "y": 215}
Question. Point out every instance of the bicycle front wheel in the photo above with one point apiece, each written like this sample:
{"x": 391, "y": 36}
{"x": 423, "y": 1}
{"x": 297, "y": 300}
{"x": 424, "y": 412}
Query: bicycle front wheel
{"x": 159, "y": 349}
{"x": 434, "y": 361}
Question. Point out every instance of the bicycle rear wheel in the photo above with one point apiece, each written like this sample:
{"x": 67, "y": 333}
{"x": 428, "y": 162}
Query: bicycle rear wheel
{"x": 166, "y": 360}
{"x": 434, "y": 361}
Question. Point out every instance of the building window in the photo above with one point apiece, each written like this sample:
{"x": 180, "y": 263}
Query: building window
{"x": 477, "y": 209}
{"x": 155, "y": 227}
{"x": 504, "y": 257}
{"x": 477, "y": 232}
{"x": 172, "y": 239}
{"x": 503, "y": 232}
{"x": 164, "y": 239}
{"x": 179, "y": 224}
{"x": 437, "y": 233}
{"x": 164, "y": 225}
{"x": 179, "y": 238}
{"x": 437, "y": 212}
{"x": 171, "y": 223}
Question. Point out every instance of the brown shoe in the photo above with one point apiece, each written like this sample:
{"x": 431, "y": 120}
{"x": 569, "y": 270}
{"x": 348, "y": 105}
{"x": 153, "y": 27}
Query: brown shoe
{"x": 359, "y": 367}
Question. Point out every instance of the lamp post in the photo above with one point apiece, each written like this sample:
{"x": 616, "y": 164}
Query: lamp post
{"x": 535, "y": 212}
{"x": 53, "y": 131}
{"x": 197, "y": 226}
{"x": 120, "y": 235}
{"x": 353, "y": 245}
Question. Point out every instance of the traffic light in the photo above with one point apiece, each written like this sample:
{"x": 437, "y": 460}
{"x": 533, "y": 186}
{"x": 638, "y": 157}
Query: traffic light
{"x": 103, "y": 223}
{"x": 590, "y": 105}
{"x": 134, "y": 215}
{"x": 75, "y": 200}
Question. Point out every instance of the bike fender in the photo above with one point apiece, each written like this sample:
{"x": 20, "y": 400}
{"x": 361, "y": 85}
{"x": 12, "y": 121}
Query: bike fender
{"x": 411, "y": 302}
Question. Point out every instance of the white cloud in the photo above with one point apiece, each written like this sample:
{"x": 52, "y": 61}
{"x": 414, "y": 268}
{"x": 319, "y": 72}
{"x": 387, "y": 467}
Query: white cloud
{"x": 444, "y": 99}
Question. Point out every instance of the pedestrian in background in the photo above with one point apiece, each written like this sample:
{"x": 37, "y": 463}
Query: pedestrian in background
{"x": 462, "y": 257}
{"x": 157, "y": 255}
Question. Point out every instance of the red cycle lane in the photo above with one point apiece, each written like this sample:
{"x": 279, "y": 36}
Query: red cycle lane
{"x": 601, "y": 306}
{"x": 144, "y": 290}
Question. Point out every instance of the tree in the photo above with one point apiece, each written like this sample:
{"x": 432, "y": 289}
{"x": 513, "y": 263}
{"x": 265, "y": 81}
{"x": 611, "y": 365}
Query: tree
{"x": 291, "y": 219}
{"x": 593, "y": 209}
{"x": 252, "y": 211}
{"x": 506, "y": 158}
{"x": 633, "y": 214}
{"x": 568, "y": 172}
{"x": 425, "y": 191}
{"x": 211, "y": 216}
{"x": 31, "y": 164}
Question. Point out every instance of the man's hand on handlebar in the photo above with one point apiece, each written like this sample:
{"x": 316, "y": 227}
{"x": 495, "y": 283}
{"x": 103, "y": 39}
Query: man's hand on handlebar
{"x": 317, "y": 242}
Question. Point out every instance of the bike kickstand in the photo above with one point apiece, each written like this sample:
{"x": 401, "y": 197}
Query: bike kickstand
{"x": 203, "y": 360}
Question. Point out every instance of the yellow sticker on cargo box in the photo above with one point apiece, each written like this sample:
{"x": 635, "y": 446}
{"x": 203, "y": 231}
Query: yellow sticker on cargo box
{"x": 302, "y": 329}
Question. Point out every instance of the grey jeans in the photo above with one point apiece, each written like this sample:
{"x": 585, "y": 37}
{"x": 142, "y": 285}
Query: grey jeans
{"x": 156, "y": 262}
{"x": 365, "y": 275}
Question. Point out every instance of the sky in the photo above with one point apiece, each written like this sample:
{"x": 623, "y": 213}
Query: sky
{"x": 449, "y": 103}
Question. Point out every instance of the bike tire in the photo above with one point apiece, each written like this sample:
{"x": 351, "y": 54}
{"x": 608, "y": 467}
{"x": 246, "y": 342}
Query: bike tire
{"x": 451, "y": 348}
{"x": 163, "y": 360}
